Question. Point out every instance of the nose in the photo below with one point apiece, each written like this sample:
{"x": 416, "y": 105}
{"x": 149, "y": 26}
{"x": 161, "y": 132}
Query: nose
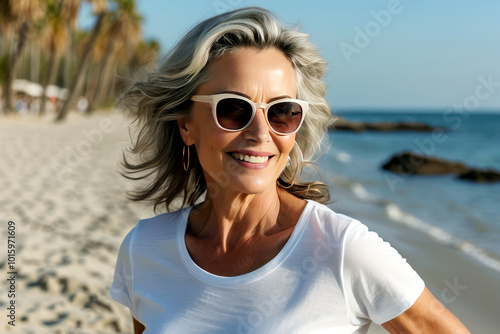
{"x": 258, "y": 130}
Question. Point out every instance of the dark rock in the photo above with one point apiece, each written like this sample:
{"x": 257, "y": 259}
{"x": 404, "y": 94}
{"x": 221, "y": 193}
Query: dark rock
{"x": 342, "y": 124}
{"x": 412, "y": 163}
{"x": 480, "y": 175}
{"x": 409, "y": 163}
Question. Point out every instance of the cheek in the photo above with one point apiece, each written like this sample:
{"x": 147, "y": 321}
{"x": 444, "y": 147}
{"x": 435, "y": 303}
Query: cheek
{"x": 286, "y": 144}
{"x": 204, "y": 131}
{"x": 210, "y": 144}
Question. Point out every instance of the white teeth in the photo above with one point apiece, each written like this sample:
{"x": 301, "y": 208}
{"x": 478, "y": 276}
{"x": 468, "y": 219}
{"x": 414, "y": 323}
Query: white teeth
{"x": 250, "y": 158}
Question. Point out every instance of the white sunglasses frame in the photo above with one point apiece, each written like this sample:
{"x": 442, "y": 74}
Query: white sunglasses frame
{"x": 214, "y": 99}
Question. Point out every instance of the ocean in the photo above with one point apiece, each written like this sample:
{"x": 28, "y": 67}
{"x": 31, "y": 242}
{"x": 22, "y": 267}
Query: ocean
{"x": 462, "y": 215}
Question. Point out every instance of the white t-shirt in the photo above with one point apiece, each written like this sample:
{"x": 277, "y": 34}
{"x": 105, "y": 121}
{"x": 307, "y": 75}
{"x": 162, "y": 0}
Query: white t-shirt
{"x": 332, "y": 276}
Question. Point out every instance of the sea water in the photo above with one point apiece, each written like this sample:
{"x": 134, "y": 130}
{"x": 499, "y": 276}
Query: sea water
{"x": 461, "y": 214}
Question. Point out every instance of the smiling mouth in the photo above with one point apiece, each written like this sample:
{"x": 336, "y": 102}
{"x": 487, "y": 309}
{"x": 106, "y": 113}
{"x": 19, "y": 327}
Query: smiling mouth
{"x": 250, "y": 158}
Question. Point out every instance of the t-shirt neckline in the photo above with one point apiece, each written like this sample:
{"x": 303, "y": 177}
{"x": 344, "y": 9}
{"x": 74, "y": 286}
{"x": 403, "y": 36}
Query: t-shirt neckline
{"x": 252, "y": 276}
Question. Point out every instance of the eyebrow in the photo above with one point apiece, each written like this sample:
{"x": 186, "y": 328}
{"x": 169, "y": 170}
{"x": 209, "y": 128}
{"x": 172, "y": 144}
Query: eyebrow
{"x": 248, "y": 97}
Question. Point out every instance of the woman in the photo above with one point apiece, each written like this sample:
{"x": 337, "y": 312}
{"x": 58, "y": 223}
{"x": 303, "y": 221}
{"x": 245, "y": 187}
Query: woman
{"x": 233, "y": 112}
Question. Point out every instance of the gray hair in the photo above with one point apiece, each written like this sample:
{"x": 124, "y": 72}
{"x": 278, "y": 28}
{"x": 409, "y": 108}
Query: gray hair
{"x": 164, "y": 97}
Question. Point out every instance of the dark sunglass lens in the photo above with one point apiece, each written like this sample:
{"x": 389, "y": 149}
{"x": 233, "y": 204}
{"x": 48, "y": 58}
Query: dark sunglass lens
{"x": 233, "y": 114}
{"x": 285, "y": 117}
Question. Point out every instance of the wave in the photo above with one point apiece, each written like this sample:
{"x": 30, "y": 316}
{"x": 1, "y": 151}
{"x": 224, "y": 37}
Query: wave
{"x": 343, "y": 157}
{"x": 398, "y": 215}
{"x": 360, "y": 192}
{"x": 475, "y": 252}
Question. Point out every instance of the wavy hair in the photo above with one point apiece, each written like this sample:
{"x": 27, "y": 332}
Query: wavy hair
{"x": 163, "y": 97}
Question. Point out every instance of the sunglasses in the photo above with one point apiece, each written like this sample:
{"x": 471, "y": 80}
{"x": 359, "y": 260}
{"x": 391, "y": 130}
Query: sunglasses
{"x": 232, "y": 112}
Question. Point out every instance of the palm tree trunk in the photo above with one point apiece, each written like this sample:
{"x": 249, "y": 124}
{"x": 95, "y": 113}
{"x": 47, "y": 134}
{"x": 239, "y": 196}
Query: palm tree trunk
{"x": 14, "y": 59}
{"x": 104, "y": 65}
{"x": 92, "y": 74}
{"x": 51, "y": 72}
{"x": 110, "y": 93}
{"x": 73, "y": 90}
{"x": 4, "y": 44}
{"x": 67, "y": 60}
{"x": 35, "y": 62}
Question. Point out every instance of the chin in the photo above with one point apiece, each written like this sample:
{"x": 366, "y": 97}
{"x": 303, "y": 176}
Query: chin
{"x": 238, "y": 182}
{"x": 253, "y": 187}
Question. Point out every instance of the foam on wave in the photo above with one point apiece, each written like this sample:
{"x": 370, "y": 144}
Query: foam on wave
{"x": 475, "y": 252}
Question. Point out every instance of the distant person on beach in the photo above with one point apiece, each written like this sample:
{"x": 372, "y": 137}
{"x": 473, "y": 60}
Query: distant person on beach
{"x": 35, "y": 106}
{"x": 226, "y": 125}
{"x": 21, "y": 105}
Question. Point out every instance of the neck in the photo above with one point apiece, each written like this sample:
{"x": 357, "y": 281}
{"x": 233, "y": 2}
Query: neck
{"x": 234, "y": 220}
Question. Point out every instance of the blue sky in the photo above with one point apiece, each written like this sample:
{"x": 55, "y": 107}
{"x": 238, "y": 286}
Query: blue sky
{"x": 405, "y": 54}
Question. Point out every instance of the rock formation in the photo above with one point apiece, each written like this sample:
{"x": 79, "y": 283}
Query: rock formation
{"x": 409, "y": 163}
{"x": 342, "y": 124}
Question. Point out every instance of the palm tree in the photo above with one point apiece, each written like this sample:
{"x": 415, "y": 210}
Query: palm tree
{"x": 122, "y": 31}
{"x": 6, "y": 31}
{"x": 6, "y": 18}
{"x": 69, "y": 12}
{"x": 21, "y": 15}
{"x": 99, "y": 9}
{"x": 53, "y": 40}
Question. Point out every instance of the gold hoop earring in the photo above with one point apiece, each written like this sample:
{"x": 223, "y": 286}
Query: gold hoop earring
{"x": 186, "y": 167}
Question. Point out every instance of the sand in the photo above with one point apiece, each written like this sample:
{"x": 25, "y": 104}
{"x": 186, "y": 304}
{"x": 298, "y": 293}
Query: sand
{"x": 60, "y": 187}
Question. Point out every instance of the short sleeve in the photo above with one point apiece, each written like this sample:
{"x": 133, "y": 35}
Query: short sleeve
{"x": 122, "y": 287}
{"x": 378, "y": 282}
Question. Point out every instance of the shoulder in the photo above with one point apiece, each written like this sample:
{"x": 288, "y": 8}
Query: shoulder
{"x": 332, "y": 225}
{"x": 358, "y": 247}
{"x": 164, "y": 222}
{"x": 149, "y": 232}
{"x": 377, "y": 282}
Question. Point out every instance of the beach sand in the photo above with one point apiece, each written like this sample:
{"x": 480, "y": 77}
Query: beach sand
{"x": 60, "y": 187}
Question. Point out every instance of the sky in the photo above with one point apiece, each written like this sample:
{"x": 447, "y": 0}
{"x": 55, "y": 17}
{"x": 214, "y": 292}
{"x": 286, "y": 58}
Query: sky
{"x": 381, "y": 54}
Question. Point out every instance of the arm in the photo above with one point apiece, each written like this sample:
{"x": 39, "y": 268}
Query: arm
{"x": 138, "y": 327}
{"x": 426, "y": 315}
